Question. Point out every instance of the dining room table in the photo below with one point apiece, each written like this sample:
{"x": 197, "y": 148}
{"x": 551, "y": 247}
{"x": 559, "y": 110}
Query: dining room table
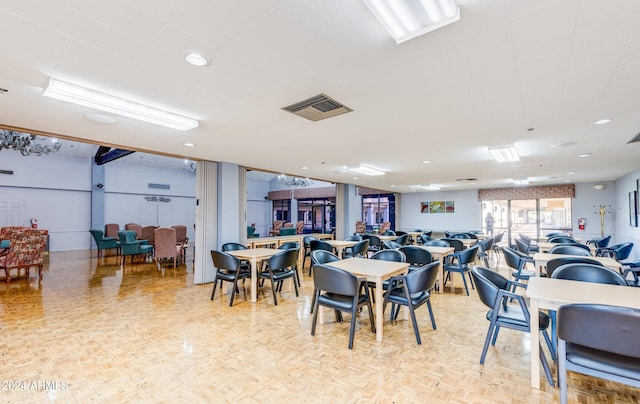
{"x": 545, "y": 246}
{"x": 550, "y": 294}
{"x": 376, "y": 271}
{"x": 340, "y": 245}
{"x": 540, "y": 261}
{"x": 255, "y": 256}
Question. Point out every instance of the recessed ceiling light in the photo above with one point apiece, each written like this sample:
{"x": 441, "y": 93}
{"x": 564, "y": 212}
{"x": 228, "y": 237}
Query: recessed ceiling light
{"x": 584, "y": 155}
{"x": 392, "y": 186}
{"x": 563, "y": 144}
{"x": 189, "y": 144}
{"x": 602, "y": 121}
{"x": 571, "y": 172}
{"x": 100, "y": 118}
{"x": 426, "y": 162}
{"x": 505, "y": 153}
{"x": 197, "y": 58}
{"x": 521, "y": 182}
{"x": 303, "y": 167}
{"x": 366, "y": 170}
{"x": 354, "y": 178}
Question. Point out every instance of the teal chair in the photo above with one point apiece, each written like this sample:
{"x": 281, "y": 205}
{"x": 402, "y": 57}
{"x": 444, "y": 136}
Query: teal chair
{"x": 104, "y": 243}
{"x": 251, "y": 232}
{"x": 288, "y": 231}
{"x": 130, "y": 246}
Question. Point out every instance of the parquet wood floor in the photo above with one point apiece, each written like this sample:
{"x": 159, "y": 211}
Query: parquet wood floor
{"x": 93, "y": 332}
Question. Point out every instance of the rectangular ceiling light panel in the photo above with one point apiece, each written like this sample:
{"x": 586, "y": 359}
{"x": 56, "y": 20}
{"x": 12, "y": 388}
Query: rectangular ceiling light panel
{"x": 366, "y": 170}
{"x": 407, "y": 19}
{"x": 109, "y": 103}
{"x": 505, "y": 153}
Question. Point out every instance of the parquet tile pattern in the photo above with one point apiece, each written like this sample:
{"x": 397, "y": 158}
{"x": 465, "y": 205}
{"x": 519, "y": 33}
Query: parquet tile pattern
{"x": 93, "y": 332}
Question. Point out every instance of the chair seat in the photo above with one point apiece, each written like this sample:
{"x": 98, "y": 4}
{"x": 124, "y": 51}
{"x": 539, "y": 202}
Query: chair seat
{"x": 607, "y": 362}
{"x": 229, "y": 277}
{"x": 513, "y": 315}
{"x": 278, "y": 274}
{"x": 397, "y": 296}
{"x": 524, "y": 274}
{"x": 340, "y": 302}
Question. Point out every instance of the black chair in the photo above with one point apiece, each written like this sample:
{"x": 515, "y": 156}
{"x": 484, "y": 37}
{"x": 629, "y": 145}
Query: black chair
{"x": 340, "y": 290}
{"x": 460, "y": 236}
{"x": 321, "y": 257}
{"x": 389, "y": 233}
{"x": 532, "y": 246}
{"x": 554, "y": 234}
{"x": 424, "y": 239}
{"x": 600, "y": 242}
{"x": 347, "y": 251}
{"x": 359, "y": 249}
{"x": 306, "y": 240}
{"x": 571, "y": 249}
{"x": 437, "y": 243}
{"x": 634, "y": 270}
{"x": 403, "y": 239}
{"x": 619, "y": 252}
{"x": 291, "y": 245}
{"x": 455, "y": 243}
{"x": 233, "y": 247}
{"x": 485, "y": 245}
{"x": 460, "y": 262}
{"x": 228, "y": 268}
{"x": 319, "y": 245}
{"x": 562, "y": 240}
{"x": 497, "y": 247}
{"x": 374, "y": 242}
{"x": 517, "y": 262}
{"x": 281, "y": 266}
{"x": 391, "y": 245}
{"x": 416, "y": 256}
{"x": 523, "y": 247}
{"x": 386, "y": 255}
{"x": 595, "y": 340}
{"x": 589, "y": 273}
{"x": 555, "y": 263}
{"x": 412, "y": 290}
{"x": 495, "y": 291}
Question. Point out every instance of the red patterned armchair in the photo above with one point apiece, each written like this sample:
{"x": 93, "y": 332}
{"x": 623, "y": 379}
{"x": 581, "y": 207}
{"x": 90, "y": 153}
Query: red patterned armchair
{"x": 25, "y": 252}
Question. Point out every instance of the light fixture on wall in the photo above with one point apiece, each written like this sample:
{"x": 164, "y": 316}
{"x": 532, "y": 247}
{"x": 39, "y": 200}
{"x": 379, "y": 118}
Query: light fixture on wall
{"x": 110, "y": 103}
{"x": 26, "y": 143}
{"x": 407, "y": 19}
{"x": 504, "y": 153}
{"x": 293, "y": 181}
{"x": 189, "y": 166}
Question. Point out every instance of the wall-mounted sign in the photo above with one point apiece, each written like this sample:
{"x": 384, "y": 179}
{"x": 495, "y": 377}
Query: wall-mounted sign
{"x": 157, "y": 199}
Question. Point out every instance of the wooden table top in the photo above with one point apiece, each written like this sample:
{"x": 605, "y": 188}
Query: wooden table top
{"x": 543, "y": 258}
{"x": 371, "y": 269}
{"x": 556, "y": 292}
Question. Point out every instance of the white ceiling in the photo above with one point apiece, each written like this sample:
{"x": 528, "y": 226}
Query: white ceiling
{"x": 507, "y": 66}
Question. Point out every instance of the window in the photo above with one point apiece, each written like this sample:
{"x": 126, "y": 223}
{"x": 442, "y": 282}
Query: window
{"x": 281, "y": 209}
{"x": 377, "y": 209}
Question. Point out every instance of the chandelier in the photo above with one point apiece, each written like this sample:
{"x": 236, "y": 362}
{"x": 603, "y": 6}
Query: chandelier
{"x": 294, "y": 181}
{"x": 26, "y": 144}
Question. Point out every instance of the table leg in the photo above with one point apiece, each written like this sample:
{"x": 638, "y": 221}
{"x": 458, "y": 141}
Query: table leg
{"x": 379, "y": 313}
{"x": 535, "y": 343}
{"x": 538, "y": 267}
{"x": 254, "y": 280}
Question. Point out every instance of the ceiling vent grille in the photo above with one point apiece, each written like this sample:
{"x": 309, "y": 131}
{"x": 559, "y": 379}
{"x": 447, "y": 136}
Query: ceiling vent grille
{"x": 316, "y": 108}
{"x": 635, "y": 139}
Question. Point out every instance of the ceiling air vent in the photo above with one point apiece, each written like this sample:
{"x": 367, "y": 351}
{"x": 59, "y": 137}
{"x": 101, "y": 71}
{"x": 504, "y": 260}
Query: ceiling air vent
{"x": 317, "y": 108}
{"x": 635, "y": 139}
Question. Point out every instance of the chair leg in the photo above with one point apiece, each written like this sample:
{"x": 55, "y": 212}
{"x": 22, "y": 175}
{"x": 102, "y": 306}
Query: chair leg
{"x": 352, "y": 327}
{"x": 550, "y": 344}
{"x": 433, "y": 319}
{"x": 486, "y": 343}
{"x": 416, "y": 330}
{"x": 213, "y": 292}
{"x": 545, "y": 366}
{"x": 233, "y": 292}
{"x": 495, "y": 335}
{"x": 464, "y": 281}
{"x": 315, "y": 309}
{"x": 313, "y": 301}
{"x": 273, "y": 290}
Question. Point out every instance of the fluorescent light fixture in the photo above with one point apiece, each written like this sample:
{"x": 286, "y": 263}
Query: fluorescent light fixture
{"x": 584, "y": 155}
{"x": 432, "y": 187}
{"x": 505, "y": 153}
{"x": 521, "y": 182}
{"x": 602, "y": 121}
{"x": 116, "y": 105}
{"x": 366, "y": 170}
{"x": 407, "y": 19}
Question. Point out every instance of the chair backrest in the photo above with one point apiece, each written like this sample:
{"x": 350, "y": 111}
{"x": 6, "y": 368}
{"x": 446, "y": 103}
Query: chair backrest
{"x": 361, "y": 227}
{"x": 335, "y": 280}
{"x": 403, "y": 239}
{"x": 136, "y": 228}
{"x": 165, "y": 242}
{"x": 603, "y": 241}
{"x": 562, "y": 240}
{"x": 416, "y": 256}
{"x": 181, "y": 232}
{"x": 111, "y": 229}
{"x": 424, "y": 239}
{"x": 288, "y": 225}
{"x": 569, "y": 249}
{"x": 605, "y": 328}
{"x": 467, "y": 256}
{"x": 355, "y": 237}
{"x": 512, "y": 258}
{"x": 524, "y": 238}
{"x": 360, "y": 249}
{"x": 251, "y": 231}
{"x": 306, "y": 240}
{"x": 299, "y": 227}
{"x": 428, "y": 233}
{"x": 233, "y": 247}
{"x": 622, "y": 250}
{"x": 455, "y": 243}
{"x": 98, "y": 235}
{"x": 277, "y": 225}
{"x": 422, "y": 278}
{"x": 389, "y": 255}
{"x": 224, "y": 261}
{"x": 127, "y": 236}
{"x": 522, "y": 246}
{"x": 498, "y": 238}
{"x": 460, "y": 236}
{"x": 289, "y": 245}
{"x": 437, "y": 243}
{"x": 320, "y": 245}
{"x": 323, "y": 257}
{"x": 555, "y": 263}
{"x": 391, "y": 245}
{"x": 374, "y": 241}
{"x": 486, "y": 244}
{"x": 554, "y": 234}
{"x": 388, "y": 232}
{"x": 400, "y": 233}
{"x": 488, "y": 284}
{"x": 283, "y": 260}
{"x": 287, "y": 231}
{"x": 589, "y": 273}
{"x": 384, "y": 227}
{"x": 148, "y": 233}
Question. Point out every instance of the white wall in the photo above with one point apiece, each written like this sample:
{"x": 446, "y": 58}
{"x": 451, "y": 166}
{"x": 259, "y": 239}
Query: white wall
{"x": 466, "y": 216}
{"x": 623, "y": 231}
{"x": 586, "y": 205}
{"x": 56, "y": 189}
{"x": 258, "y": 208}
